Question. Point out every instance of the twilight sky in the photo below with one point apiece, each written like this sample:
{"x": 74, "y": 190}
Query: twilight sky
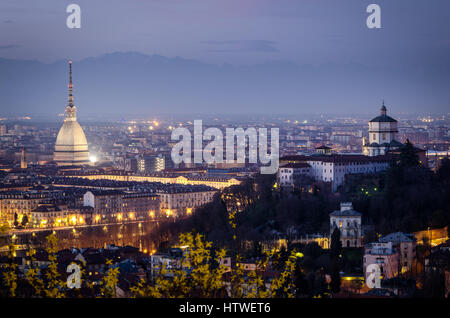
{"x": 415, "y": 34}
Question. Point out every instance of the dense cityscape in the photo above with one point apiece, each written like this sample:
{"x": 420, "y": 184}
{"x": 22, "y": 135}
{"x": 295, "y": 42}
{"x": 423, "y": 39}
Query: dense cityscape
{"x": 248, "y": 169}
{"x": 115, "y": 199}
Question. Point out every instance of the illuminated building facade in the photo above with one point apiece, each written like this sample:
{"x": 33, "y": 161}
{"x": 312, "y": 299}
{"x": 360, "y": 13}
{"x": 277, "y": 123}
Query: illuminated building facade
{"x": 140, "y": 206}
{"x": 180, "y": 203}
{"x": 151, "y": 163}
{"x": 53, "y": 216}
{"x": 214, "y": 182}
{"x": 348, "y": 221}
{"x": 384, "y": 255}
{"x": 14, "y": 207}
{"x": 112, "y": 206}
{"x": 406, "y": 247}
{"x": 106, "y": 204}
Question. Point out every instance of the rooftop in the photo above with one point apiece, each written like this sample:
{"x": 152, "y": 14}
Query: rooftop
{"x": 47, "y": 208}
{"x": 383, "y": 119}
{"x": 397, "y": 237}
{"x": 106, "y": 192}
{"x": 296, "y": 165}
{"x": 337, "y": 158}
{"x": 345, "y": 213}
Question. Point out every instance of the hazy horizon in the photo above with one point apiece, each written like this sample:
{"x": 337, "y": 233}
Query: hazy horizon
{"x": 133, "y": 83}
{"x": 215, "y": 56}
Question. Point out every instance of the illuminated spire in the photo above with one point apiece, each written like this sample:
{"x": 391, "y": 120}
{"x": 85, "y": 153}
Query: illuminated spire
{"x": 71, "y": 110}
{"x": 70, "y": 103}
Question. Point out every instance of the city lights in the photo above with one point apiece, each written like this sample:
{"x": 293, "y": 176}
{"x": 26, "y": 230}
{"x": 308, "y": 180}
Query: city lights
{"x": 297, "y": 150}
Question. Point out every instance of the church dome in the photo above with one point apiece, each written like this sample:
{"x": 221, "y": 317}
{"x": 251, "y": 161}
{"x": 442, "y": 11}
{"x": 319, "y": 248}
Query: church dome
{"x": 383, "y": 119}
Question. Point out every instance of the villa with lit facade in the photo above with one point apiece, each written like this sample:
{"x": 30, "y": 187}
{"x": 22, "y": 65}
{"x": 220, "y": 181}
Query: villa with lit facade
{"x": 348, "y": 221}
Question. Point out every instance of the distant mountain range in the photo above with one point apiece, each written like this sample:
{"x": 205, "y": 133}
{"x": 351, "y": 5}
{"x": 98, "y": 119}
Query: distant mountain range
{"x": 134, "y": 83}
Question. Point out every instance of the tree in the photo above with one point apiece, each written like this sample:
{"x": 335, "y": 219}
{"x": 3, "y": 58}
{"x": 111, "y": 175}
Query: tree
{"x": 33, "y": 273}
{"x": 10, "y": 274}
{"x": 25, "y": 220}
{"x": 336, "y": 245}
{"x": 408, "y": 155}
{"x": 55, "y": 286}
{"x": 283, "y": 285}
{"x": 319, "y": 285}
{"x": 110, "y": 280}
{"x": 434, "y": 284}
{"x": 198, "y": 273}
{"x": 300, "y": 282}
{"x": 370, "y": 236}
{"x": 16, "y": 221}
{"x": 335, "y": 253}
{"x": 443, "y": 173}
{"x": 256, "y": 249}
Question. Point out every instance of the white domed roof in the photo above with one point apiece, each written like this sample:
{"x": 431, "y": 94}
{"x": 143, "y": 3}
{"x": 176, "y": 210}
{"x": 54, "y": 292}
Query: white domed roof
{"x": 71, "y": 147}
{"x": 71, "y": 134}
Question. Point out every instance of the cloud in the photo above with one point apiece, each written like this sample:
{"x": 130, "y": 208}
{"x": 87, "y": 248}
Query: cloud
{"x": 242, "y": 46}
{"x": 9, "y": 46}
{"x": 8, "y": 21}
